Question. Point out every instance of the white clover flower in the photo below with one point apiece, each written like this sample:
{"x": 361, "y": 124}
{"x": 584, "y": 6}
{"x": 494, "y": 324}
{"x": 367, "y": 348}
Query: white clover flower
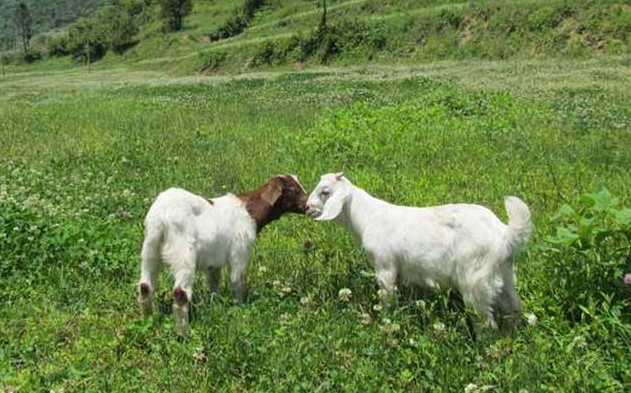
{"x": 579, "y": 342}
{"x": 276, "y": 283}
{"x": 382, "y": 293}
{"x": 532, "y": 319}
{"x": 439, "y": 327}
{"x": 262, "y": 269}
{"x": 471, "y": 388}
{"x": 286, "y": 289}
{"x": 305, "y": 300}
{"x": 523, "y": 391}
{"x": 412, "y": 342}
{"x": 420, "y": 304}
{"x": 345, "y": 294}
{"x": 284, "y": 318}
{"x": 366, "y": 319}
{"x": 377, "y": 307}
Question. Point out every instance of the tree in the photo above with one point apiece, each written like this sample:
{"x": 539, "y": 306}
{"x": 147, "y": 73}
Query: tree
{"x": 322, "y": 26}
{"x": 174, "y": 12}
{"x": 23, "y": 24}
{"x": 4, "y": 60}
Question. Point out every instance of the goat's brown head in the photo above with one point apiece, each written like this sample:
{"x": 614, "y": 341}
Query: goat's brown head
{"x": 292, "y": 197}
{"x": 281, "y": 194}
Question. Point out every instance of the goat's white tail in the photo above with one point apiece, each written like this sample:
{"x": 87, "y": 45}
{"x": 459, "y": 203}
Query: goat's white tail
{"x": 519, "y": 222}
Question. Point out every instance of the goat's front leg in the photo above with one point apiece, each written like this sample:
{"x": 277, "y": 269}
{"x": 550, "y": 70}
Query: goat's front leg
{"x": 238, "y": 263}
{"x": 213, "y": 276}
{"x": 386, "y": 273}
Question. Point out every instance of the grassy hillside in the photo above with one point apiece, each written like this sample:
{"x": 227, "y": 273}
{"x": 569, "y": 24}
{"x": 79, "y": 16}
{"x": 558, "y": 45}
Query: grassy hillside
{"x": 284, "y": 34}
{"x": 47, "y": 15}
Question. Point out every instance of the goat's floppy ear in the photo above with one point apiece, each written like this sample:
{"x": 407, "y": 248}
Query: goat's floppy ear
{"x": 333, "y": 206}
{"x": 272, "y": 192}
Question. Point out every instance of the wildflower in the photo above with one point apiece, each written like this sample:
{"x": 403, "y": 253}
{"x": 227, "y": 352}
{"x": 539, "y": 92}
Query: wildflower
{"x": 532, "y": 319}
{"x": 286, "y": 289}
{"x": 412, "y": 342}
{"x": 439, "y": 327}
{"x": 305, "y": 300}
{"x": 579, "y": 342}
{"x": 471, "y": 388}
{"x": 345, "y": 294}
{"x": 377, "y": 307}
{"x": 366, "y": 319}
{"x": 308, "y": 245}
{"x": 276, "y": 283}
{"x": 389, "y": 328}
{"x": 284, "y": 318}
{"x": 523, "y": 391}
{"x": 382, "y": 293}
{"x": 420, "y": 304}
{"x": 262, "y": 269}
{"x": 199, "y": 354}
{"x": 627, "y": 279}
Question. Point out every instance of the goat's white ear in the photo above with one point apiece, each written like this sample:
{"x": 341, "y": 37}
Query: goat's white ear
{"x": 333, "y": 206}
{"x": 339, "y": 175}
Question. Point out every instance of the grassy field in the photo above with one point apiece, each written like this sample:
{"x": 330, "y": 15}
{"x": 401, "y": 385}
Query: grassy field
{"x": 83, "y": 155}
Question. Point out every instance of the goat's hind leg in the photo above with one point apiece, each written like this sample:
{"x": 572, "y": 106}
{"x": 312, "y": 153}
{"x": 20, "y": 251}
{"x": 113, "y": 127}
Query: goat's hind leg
{"x": 509, "y": 304}
{"x": 150, "y": 266}
{"x": 182, "y": 261}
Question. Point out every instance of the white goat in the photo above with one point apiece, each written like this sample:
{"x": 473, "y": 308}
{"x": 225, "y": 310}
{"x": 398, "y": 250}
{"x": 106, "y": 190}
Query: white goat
{"x": 457, "y": 246}
{"x": 189, "y": 233}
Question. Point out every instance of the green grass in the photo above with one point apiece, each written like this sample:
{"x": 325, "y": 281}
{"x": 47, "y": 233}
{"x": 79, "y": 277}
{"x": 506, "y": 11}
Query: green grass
{"x": 79, "y": 149}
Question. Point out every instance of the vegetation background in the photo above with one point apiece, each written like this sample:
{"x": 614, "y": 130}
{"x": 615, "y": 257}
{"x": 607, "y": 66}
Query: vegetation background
{"x": 420, "y": 102}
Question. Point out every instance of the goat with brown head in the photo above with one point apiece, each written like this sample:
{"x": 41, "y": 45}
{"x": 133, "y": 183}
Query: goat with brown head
{"x": 206, "y": 234}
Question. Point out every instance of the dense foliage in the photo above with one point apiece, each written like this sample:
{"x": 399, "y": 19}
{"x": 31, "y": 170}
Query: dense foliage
{"x": 46, "y": 15}
{"x": 173, "y": 12}
{"x": 112, "y": 27}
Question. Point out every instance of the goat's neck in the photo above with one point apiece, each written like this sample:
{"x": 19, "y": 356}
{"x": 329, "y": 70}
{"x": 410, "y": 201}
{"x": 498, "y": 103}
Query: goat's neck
{"x": 357, "y": 212}
{"x": 261, "y": 212}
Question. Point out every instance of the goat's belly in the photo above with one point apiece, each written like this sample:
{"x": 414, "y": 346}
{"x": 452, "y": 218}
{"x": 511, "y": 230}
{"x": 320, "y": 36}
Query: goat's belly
{"x": 430, "y": 277}
{"x": 211, "y": 255}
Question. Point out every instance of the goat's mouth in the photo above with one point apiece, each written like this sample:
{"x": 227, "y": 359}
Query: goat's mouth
{"x": 313, "y": 213}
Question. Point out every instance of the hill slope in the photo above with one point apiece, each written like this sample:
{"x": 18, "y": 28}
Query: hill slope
{"x": 286, "y": 34}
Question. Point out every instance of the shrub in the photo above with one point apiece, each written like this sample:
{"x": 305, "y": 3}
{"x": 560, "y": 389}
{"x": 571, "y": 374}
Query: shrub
{"x": 57, "y": 46}
{"x": 32, "y": 55}
{"x": 210, "y": 60}
{"x": 239, "y": 22}
{"x": 588, "y": 256}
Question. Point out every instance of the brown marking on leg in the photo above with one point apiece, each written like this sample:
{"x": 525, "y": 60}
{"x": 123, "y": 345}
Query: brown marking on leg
{"x": 180, "y": 297}
{"x": 145, "y": 289}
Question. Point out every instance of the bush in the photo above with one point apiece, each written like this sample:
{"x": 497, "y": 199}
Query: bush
{"x": 32, "y": 55}
{"x": 57, "y": 46}
{"x": 344, "y": 38}
{"x": 588, "y": 256}
{"x": 238, "y": 23}
{"x": 210, "y": 60}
